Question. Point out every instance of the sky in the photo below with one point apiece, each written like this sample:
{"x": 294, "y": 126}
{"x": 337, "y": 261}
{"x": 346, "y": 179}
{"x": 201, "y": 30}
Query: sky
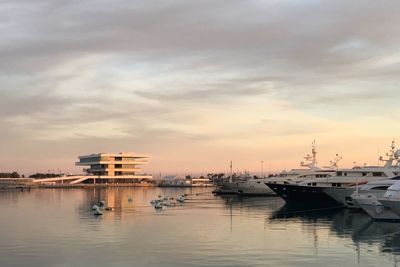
{"x": 196, "y": 84}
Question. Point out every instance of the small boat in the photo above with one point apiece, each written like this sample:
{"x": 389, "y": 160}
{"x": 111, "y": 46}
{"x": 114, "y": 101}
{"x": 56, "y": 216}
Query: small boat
{"x": 157, "y": 205}
{"x": 130, "y": 199}
{"x": 102, "y": 203}
{"x": 95, "y": 207}
{"x": 108, "y": 209}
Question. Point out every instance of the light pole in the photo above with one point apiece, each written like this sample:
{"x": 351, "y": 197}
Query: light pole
{"x": 262, "y": 169}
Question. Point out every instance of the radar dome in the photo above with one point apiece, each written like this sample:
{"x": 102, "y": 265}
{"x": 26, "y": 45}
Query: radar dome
{"x": 397, "y": 153}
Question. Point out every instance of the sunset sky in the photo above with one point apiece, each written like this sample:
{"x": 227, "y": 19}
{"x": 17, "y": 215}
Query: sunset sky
{"x": 196, "y": 84}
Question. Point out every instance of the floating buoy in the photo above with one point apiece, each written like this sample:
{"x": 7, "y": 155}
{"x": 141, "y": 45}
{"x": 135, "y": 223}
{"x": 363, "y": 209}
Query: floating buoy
{"x": 180, "y": 199}
{"x": 98, "y": 212}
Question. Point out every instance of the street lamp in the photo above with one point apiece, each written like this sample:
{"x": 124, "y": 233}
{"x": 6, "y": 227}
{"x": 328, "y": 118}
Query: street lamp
{"x": 262, "y": 169}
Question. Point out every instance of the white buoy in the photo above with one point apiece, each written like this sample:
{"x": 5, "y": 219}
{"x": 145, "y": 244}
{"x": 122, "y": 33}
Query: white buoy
{"x": 98, "y": 212}
{"x": 180, "y": 199}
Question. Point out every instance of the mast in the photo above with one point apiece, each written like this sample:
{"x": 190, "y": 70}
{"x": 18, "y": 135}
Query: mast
{"x": 390, "y": 155}
{"x": 311, "y": 159}
{"x": 230, "y": 177}
{"x": 314, "y": 152}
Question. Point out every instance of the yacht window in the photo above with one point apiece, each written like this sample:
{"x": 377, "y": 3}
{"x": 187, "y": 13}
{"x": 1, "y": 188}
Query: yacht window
{"x": 345, "y": 174}
{"x": 314, "y": 184}
{"x": 338, "y": 184}
{"x": 308, "y": 183}
{"x": 381, "y": 187}
{"x": 258, "y": 182}
{"x": 364, "y": 174}
{"x": 377, "y": 174}
{"x": 333, "y": 184}
{"x": 339, "y": 173}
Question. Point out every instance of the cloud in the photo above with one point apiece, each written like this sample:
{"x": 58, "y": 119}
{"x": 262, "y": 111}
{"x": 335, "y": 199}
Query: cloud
{"x": 197, "y": 72}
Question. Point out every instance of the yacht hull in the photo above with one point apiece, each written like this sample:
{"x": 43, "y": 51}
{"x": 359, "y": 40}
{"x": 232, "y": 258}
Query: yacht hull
{"x": 343, "y": 196}
{"x": 375, "y": 209}
{"x": 245, "y": 188}
{"x": 392, "y": 204}
{"x": 303, "y": 195}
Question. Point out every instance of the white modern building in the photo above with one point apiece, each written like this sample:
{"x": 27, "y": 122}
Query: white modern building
{"x": 106, "y": 168}
{"x": 121, "y": 167}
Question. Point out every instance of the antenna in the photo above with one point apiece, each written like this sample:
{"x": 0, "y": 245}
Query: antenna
{"x": 390, "y": 155}
{"x": 311, "y": 158}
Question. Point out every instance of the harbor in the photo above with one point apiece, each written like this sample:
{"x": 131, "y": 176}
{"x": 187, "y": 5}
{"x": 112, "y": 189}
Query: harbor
{"x": 296, "y": 217}
{"x": 207, "y": 230}
{"x": 199, "y": 133}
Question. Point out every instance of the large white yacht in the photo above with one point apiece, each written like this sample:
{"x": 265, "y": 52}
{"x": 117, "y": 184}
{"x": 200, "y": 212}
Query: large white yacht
{"x": 248, "y": 185}
{"x": 374, "y": 179}
{"x": 309, "y": 170}
{"x": 244, "y": 184}
{"x": 312, "y": 191}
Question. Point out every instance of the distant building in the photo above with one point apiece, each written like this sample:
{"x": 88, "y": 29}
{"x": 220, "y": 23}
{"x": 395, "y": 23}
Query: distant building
{"x": 174, "y": 180}
{"x": 113, "y": 168}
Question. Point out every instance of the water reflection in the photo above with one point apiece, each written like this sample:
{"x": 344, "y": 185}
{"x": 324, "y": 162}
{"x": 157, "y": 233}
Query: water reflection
{"x": 57, "y": 228}
{"x": 345, "y": 223}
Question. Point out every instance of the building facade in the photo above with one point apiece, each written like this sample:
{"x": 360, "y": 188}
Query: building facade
{"x": 113, "y": 168}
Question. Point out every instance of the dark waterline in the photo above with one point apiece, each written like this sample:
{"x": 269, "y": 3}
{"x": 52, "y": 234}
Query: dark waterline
{"x": 55, "y": 227}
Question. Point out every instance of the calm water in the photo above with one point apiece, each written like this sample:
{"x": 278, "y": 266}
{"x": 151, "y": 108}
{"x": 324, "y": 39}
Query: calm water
{"x": 55, "y": 227}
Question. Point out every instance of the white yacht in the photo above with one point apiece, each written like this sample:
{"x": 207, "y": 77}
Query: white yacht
{"x": 247, "y": 185}
{"x": 312, "y": 191}
{"x": 372, "y": 179}
{"x": 391, "y": 199}
{"x": 371, "y": 205}
{"x": 254, "y": 186}
{"x": 344, "y": 195}
{"x": 244, "y": 184}
{"x": 310, "y": 170}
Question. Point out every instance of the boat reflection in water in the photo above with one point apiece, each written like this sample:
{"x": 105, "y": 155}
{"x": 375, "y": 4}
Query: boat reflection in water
{"x": 364, "y": 231}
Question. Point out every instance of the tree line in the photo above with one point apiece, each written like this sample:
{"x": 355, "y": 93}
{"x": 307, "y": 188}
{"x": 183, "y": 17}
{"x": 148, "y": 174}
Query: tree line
{"x": 10, "y": 175}
{"x": 36, "y": 175}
